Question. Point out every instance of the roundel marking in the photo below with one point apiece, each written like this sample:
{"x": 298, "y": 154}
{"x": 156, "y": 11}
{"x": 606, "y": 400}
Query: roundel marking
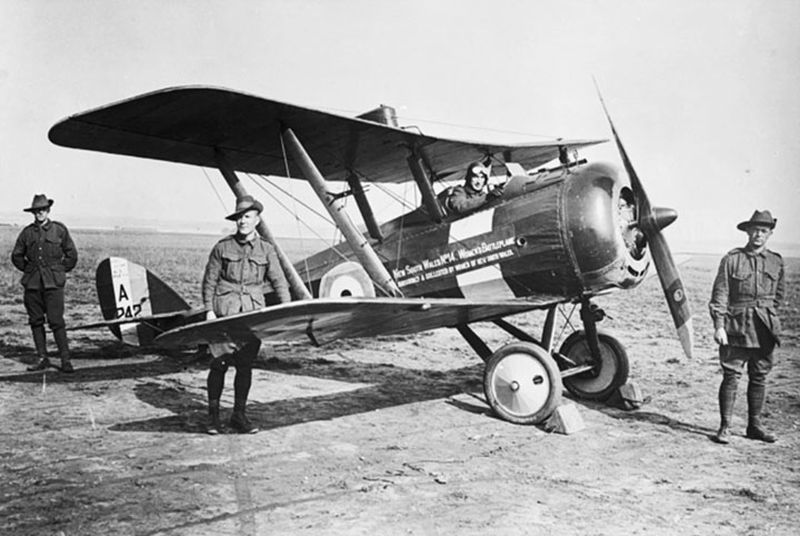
{"x": 345, "y": 285}
{"x": 348, "y": 279}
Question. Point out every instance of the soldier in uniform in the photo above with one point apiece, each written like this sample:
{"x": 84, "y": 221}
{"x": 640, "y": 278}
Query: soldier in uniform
{"x": 747, "y": 293}
{"x": 44, "y": 252}
{"x": 474, "y": 193}
{"x": 241, "y": 269}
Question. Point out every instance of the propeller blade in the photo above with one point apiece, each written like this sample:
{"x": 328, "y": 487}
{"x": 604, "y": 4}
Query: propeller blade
{"x": 673, "y": 289}
{"x": 651, "y": 222}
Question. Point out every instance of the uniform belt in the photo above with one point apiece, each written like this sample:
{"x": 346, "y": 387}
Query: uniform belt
{"x": 761, "y": 302}
{"x": 225, "y": 287}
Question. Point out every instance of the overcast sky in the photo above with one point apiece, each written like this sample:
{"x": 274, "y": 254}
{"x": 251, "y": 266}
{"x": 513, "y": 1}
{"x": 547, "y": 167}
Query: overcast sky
{"x": 704, "y": 93}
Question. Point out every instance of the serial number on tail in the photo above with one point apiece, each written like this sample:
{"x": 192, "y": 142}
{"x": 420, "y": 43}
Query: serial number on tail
{"x": 130, "y": 311}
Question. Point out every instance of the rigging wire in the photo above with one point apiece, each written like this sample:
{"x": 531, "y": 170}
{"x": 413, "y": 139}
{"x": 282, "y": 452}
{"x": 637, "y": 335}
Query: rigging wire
{"x": 567, "y": 320}
{"x": 210, "y": 182}
{"x": 288, "y": 210}
{"x": 402, "y": 223}
{"x": 394, "y": 196}
{"x": 291, "y": 196}
{"x": 289, "y": 175}
{"x": 295, "y": 212}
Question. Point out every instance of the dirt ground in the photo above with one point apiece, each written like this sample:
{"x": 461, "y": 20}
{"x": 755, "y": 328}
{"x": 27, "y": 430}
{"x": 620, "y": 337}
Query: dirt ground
{"x": 388, "y": 436}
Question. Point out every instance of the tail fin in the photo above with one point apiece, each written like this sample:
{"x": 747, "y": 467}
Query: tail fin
{"x": 128, "y": 290}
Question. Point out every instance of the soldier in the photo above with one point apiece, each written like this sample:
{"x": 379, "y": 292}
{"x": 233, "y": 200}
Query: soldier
{"x": 241, "y": 269}
{"x": 747, "y": 293}
{"x": 44, "y": 252}
{"x": 474, "y": 193}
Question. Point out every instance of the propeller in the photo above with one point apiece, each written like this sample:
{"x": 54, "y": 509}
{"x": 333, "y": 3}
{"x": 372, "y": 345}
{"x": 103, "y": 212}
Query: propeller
{"x": 651, "y": 220}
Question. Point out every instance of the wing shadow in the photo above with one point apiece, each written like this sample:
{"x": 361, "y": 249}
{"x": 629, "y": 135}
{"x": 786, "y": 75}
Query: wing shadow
{"x": 388, "y": 386}
{"x": 136, "y": 366}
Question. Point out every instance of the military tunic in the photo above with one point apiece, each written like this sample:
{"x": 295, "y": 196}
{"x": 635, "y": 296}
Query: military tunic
{"x": 747, "y": 293}
{"x": 45, "y": 253}
{"x": 238, "y": 275}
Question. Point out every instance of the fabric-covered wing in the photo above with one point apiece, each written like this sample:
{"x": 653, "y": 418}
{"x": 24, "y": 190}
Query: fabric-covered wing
{"x": 325, "y": 320}
{"x": 190, "y": 315}
{"x": 188, "y": 124}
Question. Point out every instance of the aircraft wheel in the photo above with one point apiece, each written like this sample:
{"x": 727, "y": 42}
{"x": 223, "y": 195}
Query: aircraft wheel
{"x": 601, "y": 382}
{"x": 522, "y": 383}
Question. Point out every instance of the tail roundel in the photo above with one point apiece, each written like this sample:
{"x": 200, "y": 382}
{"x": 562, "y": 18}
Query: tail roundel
{"x": 128, "y": 290}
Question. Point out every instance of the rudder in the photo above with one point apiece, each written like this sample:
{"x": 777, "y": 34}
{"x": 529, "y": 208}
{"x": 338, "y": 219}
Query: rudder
{"x": 128, "y": 290}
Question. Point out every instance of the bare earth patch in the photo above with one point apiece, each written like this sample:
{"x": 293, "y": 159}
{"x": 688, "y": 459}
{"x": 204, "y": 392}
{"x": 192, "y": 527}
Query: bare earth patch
{"x": 388, "y": 436}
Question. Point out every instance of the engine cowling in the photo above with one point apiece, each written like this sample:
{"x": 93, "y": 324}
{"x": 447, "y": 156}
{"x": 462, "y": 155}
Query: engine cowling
{"x": 600, "y": 217}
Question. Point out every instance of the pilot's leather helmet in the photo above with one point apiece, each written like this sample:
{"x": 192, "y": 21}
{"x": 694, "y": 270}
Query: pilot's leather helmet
{"x": 476, "y": 169}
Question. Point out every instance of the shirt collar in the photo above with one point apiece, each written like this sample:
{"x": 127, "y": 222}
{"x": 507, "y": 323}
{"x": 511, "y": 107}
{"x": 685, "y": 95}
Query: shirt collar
{"x": 752, "y": 253}
{"x": 243, "y": 240}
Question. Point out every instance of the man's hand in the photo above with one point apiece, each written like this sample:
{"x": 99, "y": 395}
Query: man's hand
{"x": 210, "y": 315}
{"x": 720, "y": 337}
{"x": 497, "y": 191}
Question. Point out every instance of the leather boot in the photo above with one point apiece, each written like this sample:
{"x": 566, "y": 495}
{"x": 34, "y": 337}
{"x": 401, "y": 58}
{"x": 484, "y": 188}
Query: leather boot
{"x": 60, "y": 335}
{"x": 239, "y": 420}
{"x": 41, "y": 365}
{"x": 214, "y": 426}
{"x": 727, "y": 400}
{"x": 40, "y": 343}
{"x": 755, "y": 404}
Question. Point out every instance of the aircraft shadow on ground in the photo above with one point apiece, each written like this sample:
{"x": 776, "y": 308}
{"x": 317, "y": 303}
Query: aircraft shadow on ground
{"x": 643, "y": 416}
{"x": 166, "y": 364}
{"x": 388, "y": 386}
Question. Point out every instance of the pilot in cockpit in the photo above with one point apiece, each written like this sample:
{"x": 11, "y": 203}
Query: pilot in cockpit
{"x": 474, "y": 193}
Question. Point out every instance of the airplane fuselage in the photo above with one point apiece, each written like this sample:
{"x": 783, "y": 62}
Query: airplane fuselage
{"x": 556, "y": 234}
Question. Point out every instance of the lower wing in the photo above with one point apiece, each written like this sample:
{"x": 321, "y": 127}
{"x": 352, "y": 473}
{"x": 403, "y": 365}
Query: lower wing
{"x": 321, "y": 321}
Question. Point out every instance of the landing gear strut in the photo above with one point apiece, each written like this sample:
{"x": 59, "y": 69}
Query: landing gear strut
{"x": 593, "y": 364}
{"x": 605, "y": 374}
{"x": 523, "y": 380}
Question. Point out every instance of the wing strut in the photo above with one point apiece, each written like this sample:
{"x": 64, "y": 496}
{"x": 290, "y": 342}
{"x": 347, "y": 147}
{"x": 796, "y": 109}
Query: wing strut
{"x": 424, "y": 184}
{"x": 363, "y": 205}
{"x": 299, "y": 290}
{"x": 335, "y": 206}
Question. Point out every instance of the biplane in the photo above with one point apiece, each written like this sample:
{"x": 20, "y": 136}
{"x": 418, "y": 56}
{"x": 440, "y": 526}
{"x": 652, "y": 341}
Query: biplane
{"x": 562, "y": 234}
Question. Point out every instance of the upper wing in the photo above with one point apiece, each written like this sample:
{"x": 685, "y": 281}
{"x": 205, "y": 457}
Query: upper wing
{"x": 324, "y": 320}
{"x": 188, "y": 124}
